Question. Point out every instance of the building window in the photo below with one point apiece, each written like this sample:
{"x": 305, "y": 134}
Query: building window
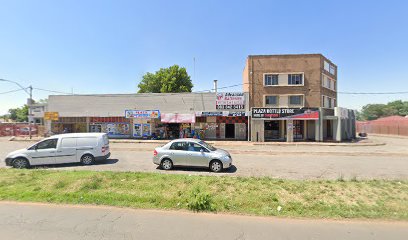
{"x": 271, "y": 79}
{"x": 295, "y": 79}
{"x": 271, "y": 100}
{"x": 329, "y": 83}
{"x": 295, "y": 100}
{"x": 328, "y": 102}
{"x": 329, "y": 67}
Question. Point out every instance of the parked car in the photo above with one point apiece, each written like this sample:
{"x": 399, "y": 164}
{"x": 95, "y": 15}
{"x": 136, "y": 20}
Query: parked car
{"x": 64, "y": 148}
{"x": 191, "y": 152}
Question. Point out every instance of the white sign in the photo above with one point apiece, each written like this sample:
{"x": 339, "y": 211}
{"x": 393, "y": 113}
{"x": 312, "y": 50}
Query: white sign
{"x": 230, "y": 100}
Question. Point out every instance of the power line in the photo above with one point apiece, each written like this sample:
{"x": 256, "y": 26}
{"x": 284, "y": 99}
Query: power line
{"x": 13, "y": 91}
{"x": 46, "y": 90}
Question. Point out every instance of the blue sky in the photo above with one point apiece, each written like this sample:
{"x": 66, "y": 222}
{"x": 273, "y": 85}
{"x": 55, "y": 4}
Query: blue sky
{"x": 106, "y": 46}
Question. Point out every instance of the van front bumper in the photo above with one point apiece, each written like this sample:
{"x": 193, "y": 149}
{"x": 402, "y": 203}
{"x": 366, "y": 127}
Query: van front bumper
{"x": 102, "y": 158}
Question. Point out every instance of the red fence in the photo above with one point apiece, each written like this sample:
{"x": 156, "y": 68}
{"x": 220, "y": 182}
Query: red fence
{"x": 394, "y": 125}
{"x": 17, "y": 129}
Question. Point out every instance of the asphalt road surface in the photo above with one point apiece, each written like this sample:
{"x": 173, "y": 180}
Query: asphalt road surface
{"x": 292, "y": 162}
{"x": 50, "y": 222}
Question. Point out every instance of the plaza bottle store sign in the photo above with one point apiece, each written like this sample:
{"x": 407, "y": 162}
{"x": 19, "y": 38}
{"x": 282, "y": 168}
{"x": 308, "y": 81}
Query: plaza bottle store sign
{"x": 230, "y": 100}
{"x": 285, "y": 113}
{"x": 142, "y": 113}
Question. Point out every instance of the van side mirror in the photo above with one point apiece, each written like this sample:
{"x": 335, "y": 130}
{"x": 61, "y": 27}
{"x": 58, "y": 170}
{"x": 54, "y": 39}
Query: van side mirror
{"x": 201, "y": 150}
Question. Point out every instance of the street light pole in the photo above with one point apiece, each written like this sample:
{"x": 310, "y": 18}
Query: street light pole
{"x": 30, "y": 93}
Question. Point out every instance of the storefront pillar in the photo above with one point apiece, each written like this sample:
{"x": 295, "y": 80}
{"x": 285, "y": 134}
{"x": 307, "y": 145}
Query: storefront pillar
{"x": 289, "y": 130}
{"x": 319, "y": 127}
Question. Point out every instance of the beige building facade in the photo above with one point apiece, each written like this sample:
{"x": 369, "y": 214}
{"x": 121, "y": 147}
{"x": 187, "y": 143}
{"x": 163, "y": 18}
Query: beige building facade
{"x": 292, "y": 97}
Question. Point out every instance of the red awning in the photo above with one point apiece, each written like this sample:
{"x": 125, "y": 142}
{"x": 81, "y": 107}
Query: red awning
{"x": 177, "y": 118}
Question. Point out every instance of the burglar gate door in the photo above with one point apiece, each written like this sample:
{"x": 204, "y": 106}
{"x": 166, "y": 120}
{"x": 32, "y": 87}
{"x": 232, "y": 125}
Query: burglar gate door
{"x": 298, "y": 128}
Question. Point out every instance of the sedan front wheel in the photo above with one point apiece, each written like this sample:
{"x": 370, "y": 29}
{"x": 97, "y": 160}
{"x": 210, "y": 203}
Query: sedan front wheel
{"x": 216, "y": 166}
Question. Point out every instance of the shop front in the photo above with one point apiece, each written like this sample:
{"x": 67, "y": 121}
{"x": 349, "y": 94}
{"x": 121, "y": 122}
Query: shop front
{"x": 69, "y": 125}
{"x": 222, "y": 125}
{"x": 284, "y": 124}
{"x": 178, "y": 125}
{"x": 115, "y": 127}
{"x": 145, "y": 123}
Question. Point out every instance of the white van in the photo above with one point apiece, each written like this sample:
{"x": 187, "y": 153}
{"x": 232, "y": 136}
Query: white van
{"x": 64, "y": 148}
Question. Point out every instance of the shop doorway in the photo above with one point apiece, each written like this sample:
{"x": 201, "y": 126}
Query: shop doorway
{"x": 67, "y": 128}
{"x": 173, "y": 130}
{"x": 272, "y": 130}
{"x": 229, "y": 130}
{"x": 298, "y": 129}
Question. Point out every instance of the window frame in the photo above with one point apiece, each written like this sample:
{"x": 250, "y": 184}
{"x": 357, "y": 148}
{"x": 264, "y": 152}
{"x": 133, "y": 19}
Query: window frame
{"x": 290, "y": 80}
{"x": 302, "y": 99}
{"x": 272, "y": 79}
{"x": 269, "y": 104}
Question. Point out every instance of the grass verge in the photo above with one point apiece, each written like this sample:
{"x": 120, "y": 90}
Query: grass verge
{"x": 378, "y": 199}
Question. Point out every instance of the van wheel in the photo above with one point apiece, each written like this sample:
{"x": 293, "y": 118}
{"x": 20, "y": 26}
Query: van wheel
{"x": 216, "y": 166}
{"x": 87, "y": 159}
{"x": 166, "y": 164}
{"x": 21, "y": 163}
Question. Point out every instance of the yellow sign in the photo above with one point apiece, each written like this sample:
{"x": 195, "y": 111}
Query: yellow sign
{"x": 51, "y": 116}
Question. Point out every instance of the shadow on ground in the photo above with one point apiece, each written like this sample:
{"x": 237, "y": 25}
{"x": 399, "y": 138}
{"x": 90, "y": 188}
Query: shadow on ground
{"x": 64, "y": 165}
{"x": 231, "y": 169}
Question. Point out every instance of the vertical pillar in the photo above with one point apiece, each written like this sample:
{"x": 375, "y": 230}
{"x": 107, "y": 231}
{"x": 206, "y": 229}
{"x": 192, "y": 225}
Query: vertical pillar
{"x": 338, "y": 130}
{"x": 289, "y": 130}
{"x": 319, "y": 126}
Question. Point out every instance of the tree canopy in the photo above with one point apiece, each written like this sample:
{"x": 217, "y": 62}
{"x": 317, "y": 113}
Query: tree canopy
{"x": 375, "y": 111}
{"x": 173, "y": 79}
{"x": 18, "y": 114}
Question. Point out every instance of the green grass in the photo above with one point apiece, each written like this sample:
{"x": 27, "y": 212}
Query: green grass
{"x": 378, "y": 199}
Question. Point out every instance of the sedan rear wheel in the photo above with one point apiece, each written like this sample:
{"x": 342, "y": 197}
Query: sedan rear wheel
{"x": 166, "y": 164}
{"x": 216, "y": 166}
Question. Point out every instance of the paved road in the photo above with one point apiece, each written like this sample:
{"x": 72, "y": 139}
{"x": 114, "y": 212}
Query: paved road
{"x": 292, "y": 162}
{"x": 49, "y": 222}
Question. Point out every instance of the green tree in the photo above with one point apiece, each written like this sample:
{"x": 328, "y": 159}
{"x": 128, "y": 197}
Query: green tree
{"x": 374, "y": 111}
{"x": 19, "y": 114}
{"x": 167, "y": 80}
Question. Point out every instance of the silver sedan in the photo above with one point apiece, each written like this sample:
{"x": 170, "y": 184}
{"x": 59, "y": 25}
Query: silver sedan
{"x": 191, "y": 152}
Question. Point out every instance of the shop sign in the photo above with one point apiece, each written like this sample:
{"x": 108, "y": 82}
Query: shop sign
{"x": 178, "y": 118}
{"x": 285, "y": 113}
{"x": 142, "y": 113}
{"x": 230, "y": 100}
{"x": 51, "y": 116}
{"x": 221, "y": 114}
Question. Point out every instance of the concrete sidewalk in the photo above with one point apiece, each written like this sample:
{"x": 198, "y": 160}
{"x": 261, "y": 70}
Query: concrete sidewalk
{"x": 48, "y": 222}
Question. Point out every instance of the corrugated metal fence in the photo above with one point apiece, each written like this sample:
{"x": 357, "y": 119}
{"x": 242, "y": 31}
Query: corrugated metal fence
{"x": 394, "y": 125}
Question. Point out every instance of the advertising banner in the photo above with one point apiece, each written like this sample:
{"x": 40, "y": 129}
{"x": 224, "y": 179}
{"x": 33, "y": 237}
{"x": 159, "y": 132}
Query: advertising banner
{"x": 178, "y": 118}
{"x": 221, "y": 114}
{"x": 230, "y": 100}
{"x": 142, "y": 114}
{"x": 285, "y": 113}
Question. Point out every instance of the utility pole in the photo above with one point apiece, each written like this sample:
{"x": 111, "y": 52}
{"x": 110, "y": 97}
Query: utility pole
{"x": 215, "y": 86}
{"x": 30, "y": 101}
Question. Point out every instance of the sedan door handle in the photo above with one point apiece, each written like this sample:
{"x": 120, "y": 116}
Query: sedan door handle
{"x": 52, "y": 152}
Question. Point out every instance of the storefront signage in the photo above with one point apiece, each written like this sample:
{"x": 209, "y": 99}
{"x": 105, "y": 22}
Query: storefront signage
{"x": 178, "y": 118}
{"x": 221, "y": 114}
{"x": 230, "y": 100}
{"x": 51, "y": 116}
{"x": 142, "y": 114}
{"x": 285, "y": 113}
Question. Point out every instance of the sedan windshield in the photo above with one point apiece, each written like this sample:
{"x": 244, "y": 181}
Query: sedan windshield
{"x": 211, "y": 148}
